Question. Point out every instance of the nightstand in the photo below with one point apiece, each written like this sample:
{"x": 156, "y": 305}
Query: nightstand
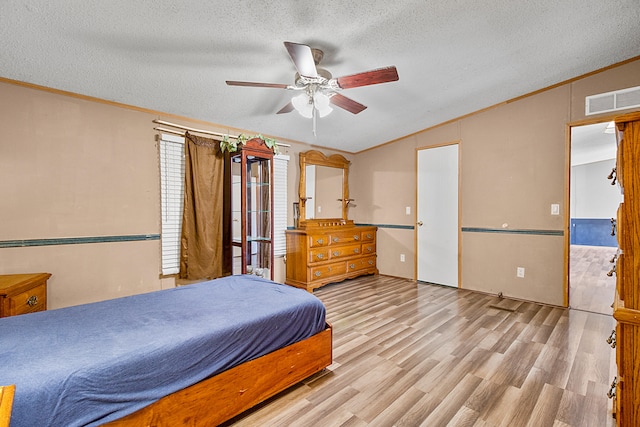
{"x": 23, "y": 293}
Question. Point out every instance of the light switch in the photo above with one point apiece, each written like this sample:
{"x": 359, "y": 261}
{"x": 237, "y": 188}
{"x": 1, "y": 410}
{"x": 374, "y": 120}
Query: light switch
{"x": 408, "y": 210}
{"x": 555, "y": 209}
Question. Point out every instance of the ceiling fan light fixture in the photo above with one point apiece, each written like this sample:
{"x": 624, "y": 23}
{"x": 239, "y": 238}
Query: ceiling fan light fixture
{"x": 302, "y": 104}
{"x": 324, "y": 111}
{"x": 305, "y": 103}
{"x": 321, "y": 102}
{"x": 320, "y": 88}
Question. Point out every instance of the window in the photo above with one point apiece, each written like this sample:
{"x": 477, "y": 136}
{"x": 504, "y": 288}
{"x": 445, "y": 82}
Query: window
{"x": 172, "y": 195}
{"x": 280, "y": 166}
{"x": 171, "y": 200}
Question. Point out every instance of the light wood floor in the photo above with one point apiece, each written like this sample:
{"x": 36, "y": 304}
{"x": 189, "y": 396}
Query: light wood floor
{"x": 415, "y": 354}
{"x": 590, "y": 288}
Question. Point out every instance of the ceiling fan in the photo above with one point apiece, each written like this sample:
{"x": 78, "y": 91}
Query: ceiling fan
{"x": 318, "y": 87}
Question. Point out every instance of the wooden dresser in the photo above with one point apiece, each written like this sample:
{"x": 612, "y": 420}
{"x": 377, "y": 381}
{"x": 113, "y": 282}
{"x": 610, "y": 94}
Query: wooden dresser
{"x": 318, "y": 255}
{"x": 23, "y": 293}
{"x": 626, "y": 310}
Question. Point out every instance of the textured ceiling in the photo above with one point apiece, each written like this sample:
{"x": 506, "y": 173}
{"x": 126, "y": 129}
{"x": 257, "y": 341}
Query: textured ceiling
{"x": 453, "y": 57}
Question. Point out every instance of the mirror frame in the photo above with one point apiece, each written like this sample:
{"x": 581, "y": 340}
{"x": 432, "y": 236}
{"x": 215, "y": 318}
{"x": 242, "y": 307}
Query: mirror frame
{"x": 314, "y": 157}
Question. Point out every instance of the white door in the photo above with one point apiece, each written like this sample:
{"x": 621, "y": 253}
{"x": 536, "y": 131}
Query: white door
{"x": 437, "y": 215}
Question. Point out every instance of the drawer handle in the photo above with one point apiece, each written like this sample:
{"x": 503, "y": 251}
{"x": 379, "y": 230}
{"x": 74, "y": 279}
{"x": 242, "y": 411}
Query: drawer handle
{"x": 320, "y": 256}
{"x": 352, "y": 266}
{"x": 320, "y": 241}
{"x": 329, "y": 269}
{"x": 612, "y": 339}
{"x": 356, "y": 237}
{"x": 336, "y": 240}
{"x": 33, "y": 300}
{"x": 336, "y": 253}
{"x": 356, "y": 251}
{"x": 612, "y": 390}
{"x": 369, "y": 249}
{"x": 613, "y": 226}
{"x": 612, "y": 260}
{"x": 612, "y": 176}
{"x": 613, "y": 270}
{"x": 317, "y": 274}
{"x": 370, "y": 262}
{"x": 369, "y": 236}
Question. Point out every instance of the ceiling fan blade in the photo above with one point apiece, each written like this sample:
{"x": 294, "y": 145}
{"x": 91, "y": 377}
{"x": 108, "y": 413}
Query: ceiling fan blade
{"x": 373, "y": 77}
{"x": 346, "y": 103}
{"x": 254, "y": 84}
{"x": 302, "y": 58}
{"x": 286, "y": 109}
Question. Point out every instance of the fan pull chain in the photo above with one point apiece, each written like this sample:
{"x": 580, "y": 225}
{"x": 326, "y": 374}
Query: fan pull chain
{"x": 314, "y": 113}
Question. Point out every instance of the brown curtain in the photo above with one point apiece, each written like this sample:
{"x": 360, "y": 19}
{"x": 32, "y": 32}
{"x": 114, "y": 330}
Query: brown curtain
{"x": 201, "y": 255}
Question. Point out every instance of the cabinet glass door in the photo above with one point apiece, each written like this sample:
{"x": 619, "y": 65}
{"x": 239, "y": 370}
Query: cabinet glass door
{"x": 251, "y": 215}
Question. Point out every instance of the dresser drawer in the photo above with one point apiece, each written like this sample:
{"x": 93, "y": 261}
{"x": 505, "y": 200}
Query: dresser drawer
{"x": 319, "y": 255}
{"x": 345, "y": 251}
{"x": 330, "y": 270}
{"x": 318, "y": 240}
{"x": 28, "y": 302}
{"x": 620, "y": 346}
{"x": 368, "y": 236}
{"x": 620, "y": 276}
{"x": 368, "y": 248}
{"x": 361, "y": 264}
{"x": 340, "y": 237}
{"x": 23, "y": 293}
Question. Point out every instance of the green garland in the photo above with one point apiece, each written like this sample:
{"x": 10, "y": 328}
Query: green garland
{"x": 233, "y": 145}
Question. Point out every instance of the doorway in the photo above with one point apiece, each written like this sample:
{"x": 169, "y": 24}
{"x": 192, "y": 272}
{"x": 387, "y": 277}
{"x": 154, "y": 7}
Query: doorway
{"x": 437, "y": 226}
{"x": 593, "y": 207}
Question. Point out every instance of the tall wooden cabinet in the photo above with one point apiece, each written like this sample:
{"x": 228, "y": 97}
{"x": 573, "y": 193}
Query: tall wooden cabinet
{"x": 250, "y": 209}
{"x": 626, "y": 310}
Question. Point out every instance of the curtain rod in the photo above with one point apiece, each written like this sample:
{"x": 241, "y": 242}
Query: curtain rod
{"x": 187, "y": 128}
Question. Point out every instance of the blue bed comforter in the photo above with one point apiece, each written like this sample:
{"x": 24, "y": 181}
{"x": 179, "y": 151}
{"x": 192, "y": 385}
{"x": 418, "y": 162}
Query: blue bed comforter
{"x": 93, "y": 363}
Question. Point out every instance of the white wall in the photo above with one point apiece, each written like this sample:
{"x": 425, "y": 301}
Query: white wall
{"x": 592, "y": 195}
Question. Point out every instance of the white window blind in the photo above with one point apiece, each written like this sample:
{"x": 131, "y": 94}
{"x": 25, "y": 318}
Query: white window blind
{"x": 172, "y": 195}
{"x": 280, "y": 166}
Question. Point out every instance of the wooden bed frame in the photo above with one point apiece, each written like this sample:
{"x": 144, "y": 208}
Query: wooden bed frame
{"x": 6, "y": 402}
{"x": 223, "y": 396}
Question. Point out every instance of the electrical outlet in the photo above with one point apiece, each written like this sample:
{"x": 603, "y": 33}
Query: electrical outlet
{"x": 520, "y": 272}
{"x": 401, "y": 257}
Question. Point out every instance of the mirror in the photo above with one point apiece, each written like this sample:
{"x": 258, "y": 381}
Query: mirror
{"x": 324, "y": 188}
{"x": 324, "y": 192}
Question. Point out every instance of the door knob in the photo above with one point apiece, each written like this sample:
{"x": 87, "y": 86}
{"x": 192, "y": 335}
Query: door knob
{"x": 419, "y": 223}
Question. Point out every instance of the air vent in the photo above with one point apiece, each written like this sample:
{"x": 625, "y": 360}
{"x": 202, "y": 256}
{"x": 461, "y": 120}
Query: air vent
{"x": 613, "y": 101}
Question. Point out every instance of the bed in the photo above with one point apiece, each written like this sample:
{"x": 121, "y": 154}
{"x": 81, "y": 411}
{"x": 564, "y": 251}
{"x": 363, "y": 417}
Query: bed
{"x": 193, "y": 355}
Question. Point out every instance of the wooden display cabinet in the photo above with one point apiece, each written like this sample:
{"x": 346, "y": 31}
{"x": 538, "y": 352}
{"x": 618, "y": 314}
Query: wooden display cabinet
{"x": 251, "y": 209}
